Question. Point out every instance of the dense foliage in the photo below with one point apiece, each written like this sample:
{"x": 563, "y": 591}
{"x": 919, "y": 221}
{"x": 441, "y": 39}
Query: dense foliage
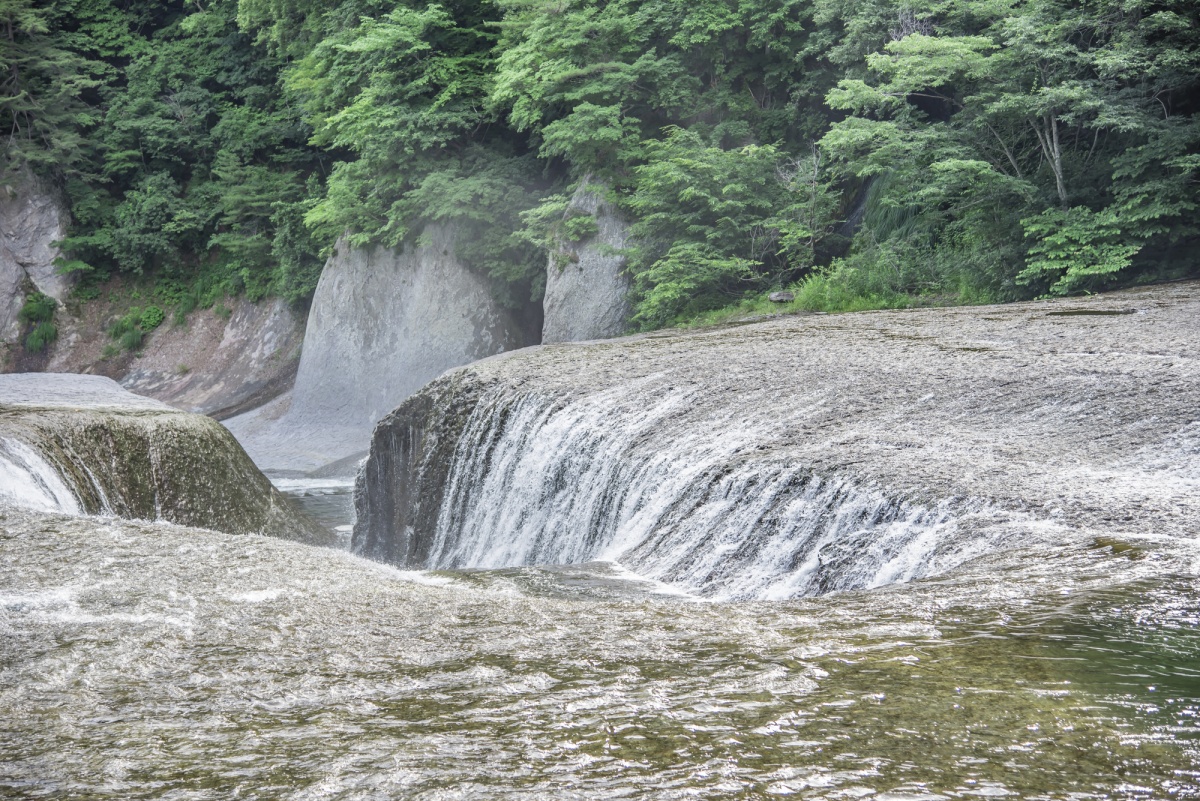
{"x": 869, "y": 152}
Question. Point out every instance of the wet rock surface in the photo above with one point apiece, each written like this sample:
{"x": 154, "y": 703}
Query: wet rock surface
{"x": 382, "y": 324}
{"x": 83, "y": 445}
{"x": 789, "y": 446}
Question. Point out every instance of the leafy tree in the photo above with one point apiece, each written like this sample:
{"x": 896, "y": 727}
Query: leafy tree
{"x": 43, "y": 114}
{"x": 967, "y": 149}
{"x": 1047, "y": 106}
{"x": 713, "y": 224}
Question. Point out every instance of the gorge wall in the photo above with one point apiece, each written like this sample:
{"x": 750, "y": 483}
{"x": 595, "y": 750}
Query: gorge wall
{"x": 803, "y": 454}
{"x": 220, "y": 362}
{"x": 32, "y": 219}
{"x": 76, "y": 444}
{"x": 587, "y": 290}
{"x": 383, "y": 323}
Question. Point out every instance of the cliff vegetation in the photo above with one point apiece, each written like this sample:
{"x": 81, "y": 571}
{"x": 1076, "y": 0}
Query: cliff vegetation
{"x": 861, "y": 152}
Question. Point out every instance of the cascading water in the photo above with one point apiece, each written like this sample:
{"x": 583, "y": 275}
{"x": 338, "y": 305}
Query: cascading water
{"x": 81, "y": 445}
{"x": 536, "y": 480}
{"x": 145, "y": 661}
{"x": 793, "y": 457}
{"x": 27, "y": 480}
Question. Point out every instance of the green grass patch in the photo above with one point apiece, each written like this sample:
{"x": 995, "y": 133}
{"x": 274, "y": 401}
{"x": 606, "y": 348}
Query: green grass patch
{"x": 38, "y": 312}
{"x": 40, "y": 338}
{"x": 831, "y": 293}
{"x": 129, "y": 331}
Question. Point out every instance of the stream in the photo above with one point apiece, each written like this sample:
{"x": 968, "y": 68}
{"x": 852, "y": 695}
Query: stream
{"x": 142, "y": 660}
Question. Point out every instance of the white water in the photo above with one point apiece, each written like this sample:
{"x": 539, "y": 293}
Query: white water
{"x": 28, "y": 481}
{"x": 141, "y": 661}
{"x": 617, "y": 478}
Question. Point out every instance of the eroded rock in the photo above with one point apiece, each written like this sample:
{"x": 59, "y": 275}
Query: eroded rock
{"x": 896, "y": 445}
{"x": 32, "y": 218}
{"x": 587, "y": 290}
{"x": 383, "y": 323}
{"x": 82, "y": 445}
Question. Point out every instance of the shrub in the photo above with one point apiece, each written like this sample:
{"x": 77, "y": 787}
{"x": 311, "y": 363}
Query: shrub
{"x": 150, "y": 318}
{"x": 42, "y": 335}
{"x": 38, "y": 308}
{"x": 126, "y": 331}
{"x": 37, "y": 312}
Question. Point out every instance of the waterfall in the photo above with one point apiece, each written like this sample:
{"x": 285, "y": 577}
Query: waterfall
{"x": 623, "y": 476}
{"x": 27, "y": 480}
{"x": 82, "y": 445}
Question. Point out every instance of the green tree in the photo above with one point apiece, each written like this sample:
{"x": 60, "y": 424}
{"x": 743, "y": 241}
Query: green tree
{"x": 1049, "y": 107}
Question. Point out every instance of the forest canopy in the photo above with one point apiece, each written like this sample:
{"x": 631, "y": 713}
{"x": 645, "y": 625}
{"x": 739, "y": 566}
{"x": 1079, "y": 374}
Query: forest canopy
{"x": 865, "y": 152}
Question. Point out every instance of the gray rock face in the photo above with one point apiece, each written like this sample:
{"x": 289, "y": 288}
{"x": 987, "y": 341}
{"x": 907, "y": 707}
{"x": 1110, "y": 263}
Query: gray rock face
{"x": 31, "y": 218}
{"x": 383, "y": 323}
{"x": 79, "y": 444}
{"x": 895, "y": 445}
{"x": 587, "y": 297}
{"x": 221, "y": 367}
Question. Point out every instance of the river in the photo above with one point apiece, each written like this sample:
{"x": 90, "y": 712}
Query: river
{"x": 144, "y": 660}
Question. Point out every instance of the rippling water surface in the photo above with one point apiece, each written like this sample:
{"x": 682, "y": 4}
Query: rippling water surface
{"x": 148, "y": 661}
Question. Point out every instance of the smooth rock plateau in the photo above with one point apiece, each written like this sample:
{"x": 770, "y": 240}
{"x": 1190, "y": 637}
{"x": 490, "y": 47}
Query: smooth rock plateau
{"x": 78, "y": 444}
{"x": 587, "y": 294}
{"x": 382, "y": 324}
{"x": 803, "y": 454}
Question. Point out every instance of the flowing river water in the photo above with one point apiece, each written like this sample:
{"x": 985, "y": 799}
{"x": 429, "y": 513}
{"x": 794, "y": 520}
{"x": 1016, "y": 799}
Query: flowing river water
{"x": 955, "y": 556}
{"x": 144, "y": 660}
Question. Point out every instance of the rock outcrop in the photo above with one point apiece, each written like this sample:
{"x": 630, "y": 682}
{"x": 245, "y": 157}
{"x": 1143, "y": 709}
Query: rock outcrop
{"x": 254, "y": 359}
{"x": 383, "y": 323}
{"x": 82, "y": 445}
{"x": 32, "y": 218}
{"x": 803, "y": 454}
{"x": 587, "y": 290}
{"x": 219, "y": 364}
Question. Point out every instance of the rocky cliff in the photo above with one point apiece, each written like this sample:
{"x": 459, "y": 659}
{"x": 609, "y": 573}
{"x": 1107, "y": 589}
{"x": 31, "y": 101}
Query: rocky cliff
{"x": 221, "y": 362}
{"x": 82, "y": 445}
{"x": 803, "y": 454}
{"x": 218, "y": 363}
{"x": 587, "y": 290}
{"x": 383, "y": 323}
{"x": 32, "y": 219}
